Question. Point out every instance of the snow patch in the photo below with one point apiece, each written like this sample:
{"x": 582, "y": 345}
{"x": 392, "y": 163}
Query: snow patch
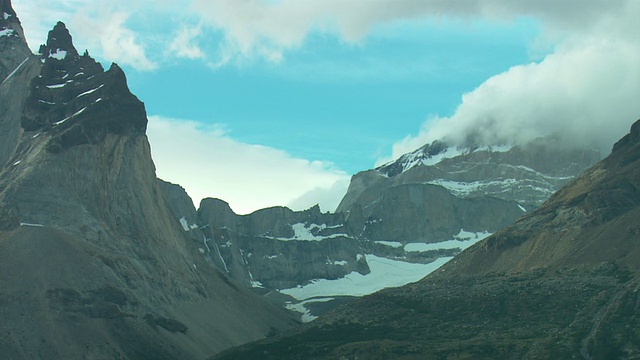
{"x": 46, "y": 102}
{"x": 58, "y": 54}
{"x": 56, "y": 86}
{"x": 384, "y": 273}
{"x": 16, "y": 163}
{"x": 522, "y": 208}
{"x": 393, "y": 244}
{"x": 300, "y": 307}
{"x": 337, "y": 262}
{"x": 304, "y": 232}
{"x": 185, "y": 223}
{"x": 6, "y": 16}
{"x": 451, "y": 152}
{"x": 462, "y": 241}
{"x": 462, "y": 189}
{"x": 6, "y": 32}
{"x": 30, "y": 224}
{"x": 254, "y": 283}
{"x": 90, "y": 91}
{"x": 67, "y": 118}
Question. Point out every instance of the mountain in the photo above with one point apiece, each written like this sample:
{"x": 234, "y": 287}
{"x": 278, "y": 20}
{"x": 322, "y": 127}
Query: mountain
{"x": 562, "y": 282}
{"x": 93, "y": 263}
{"x": 430, "y": 194}
{"x": 396, "y": 224}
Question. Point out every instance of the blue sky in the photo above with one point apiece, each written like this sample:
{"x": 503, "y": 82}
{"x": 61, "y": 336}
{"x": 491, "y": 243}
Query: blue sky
{"x": 265, "y": 103}
{"x": 333, "y": 101}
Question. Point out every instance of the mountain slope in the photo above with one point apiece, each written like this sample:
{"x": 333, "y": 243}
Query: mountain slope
{"x": 562, "y": 282}
{"x": 93, "y": 263}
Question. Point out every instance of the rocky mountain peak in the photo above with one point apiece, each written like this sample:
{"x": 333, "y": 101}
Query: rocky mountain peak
{"x": 59, "y": 44}
{"x": 409, "y": 160}
{"x": 75, "y": 101}
{"x": 102, "y": 260}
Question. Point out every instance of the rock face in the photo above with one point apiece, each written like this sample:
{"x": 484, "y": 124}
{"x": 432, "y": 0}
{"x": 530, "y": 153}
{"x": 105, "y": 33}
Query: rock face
{"x": 94, "y": 265}
{"x": 273, "y": 248}
{"x": 432, "y": 193}
{"x": 562, "y": 282}
{"x": 284, "y": 247}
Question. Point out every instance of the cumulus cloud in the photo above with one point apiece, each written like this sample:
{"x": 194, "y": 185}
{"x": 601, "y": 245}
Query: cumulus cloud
{"x": 268, "y": 28}
{"x": 116, "y": 41}
{"x": 184, "y": 43}
{"x": 208, "y": 163}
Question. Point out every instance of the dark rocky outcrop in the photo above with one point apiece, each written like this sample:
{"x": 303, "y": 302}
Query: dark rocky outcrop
{"x": 562, "y": 282}
{"x": 76, "y": 101}
{"x": 93, "y": 263}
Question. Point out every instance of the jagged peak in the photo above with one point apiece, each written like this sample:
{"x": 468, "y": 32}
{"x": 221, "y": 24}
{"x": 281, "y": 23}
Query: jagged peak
{"x": 59, "y": 44}
{"x": 6, "y": 8}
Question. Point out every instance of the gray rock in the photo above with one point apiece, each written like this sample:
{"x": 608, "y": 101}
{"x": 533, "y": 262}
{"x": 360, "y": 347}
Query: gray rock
{"x": 94, "y": 263}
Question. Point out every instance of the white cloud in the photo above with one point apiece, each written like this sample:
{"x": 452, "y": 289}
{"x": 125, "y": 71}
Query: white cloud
{"x": 108, "y": 32}
{"x": 266, "y": 29}
{"x": 586, "y": 90}
{"x": 184, "y": 43}
{"x": 260, "y": 28}
{"x": 208, "y": 163}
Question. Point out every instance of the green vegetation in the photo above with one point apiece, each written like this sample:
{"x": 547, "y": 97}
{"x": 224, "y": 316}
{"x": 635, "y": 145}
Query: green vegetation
{"x": 523, "y": 316}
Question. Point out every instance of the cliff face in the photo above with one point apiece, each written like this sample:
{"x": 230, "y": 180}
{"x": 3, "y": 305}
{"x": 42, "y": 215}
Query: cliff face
{"x": 273, "y": 248}
{"x": 432, "y": 193}
{"x": 94, "y": 264}
{"x": 562, "y": 282}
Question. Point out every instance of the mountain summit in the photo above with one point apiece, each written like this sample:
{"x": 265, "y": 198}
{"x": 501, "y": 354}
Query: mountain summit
{"x": 93, "y": 263}
{"x": 76, "y": 101}
{"x": 59, "y": 44}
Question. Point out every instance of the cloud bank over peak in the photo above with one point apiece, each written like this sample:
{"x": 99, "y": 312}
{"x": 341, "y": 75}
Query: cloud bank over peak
{"x": 586, "y": 91}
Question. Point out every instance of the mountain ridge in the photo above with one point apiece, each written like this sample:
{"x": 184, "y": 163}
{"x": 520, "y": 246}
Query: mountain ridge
{"x": 561, "y": 282}
{"x": 94, "y": 265}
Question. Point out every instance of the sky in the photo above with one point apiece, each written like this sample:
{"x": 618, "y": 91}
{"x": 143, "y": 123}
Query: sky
{"x": 278, "y": 102}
